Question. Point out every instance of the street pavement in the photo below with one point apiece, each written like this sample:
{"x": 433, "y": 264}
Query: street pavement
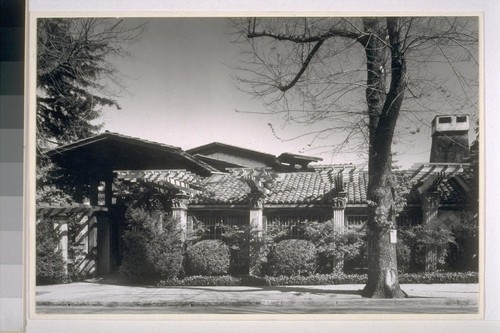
{"x": 96, "y": 296}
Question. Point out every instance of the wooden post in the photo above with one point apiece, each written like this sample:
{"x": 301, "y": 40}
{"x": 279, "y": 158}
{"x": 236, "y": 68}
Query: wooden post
{"x": 108, "y": 192}
{"x": 339, "y": 204}
{"x": 103, "y": 260}
{"x": 92, "y": 245}
{"x": 94, "y": 192}
{"x": 63, "y": 242}
{"x": 179, "y": 212}
{"x": 256, "y": 224}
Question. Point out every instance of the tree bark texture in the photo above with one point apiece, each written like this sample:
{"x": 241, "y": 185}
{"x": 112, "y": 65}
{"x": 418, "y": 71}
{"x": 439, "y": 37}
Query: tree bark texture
{"x": 382, "y": 266}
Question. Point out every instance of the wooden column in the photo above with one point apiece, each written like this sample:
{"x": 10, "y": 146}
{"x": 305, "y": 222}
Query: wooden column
{"x": 256, "y": 219}
{"x": 92, "y": 245}
{"x": 62, "y": 228}
{"x": 179, "y": 212}
{"x": 108, "y": 192}
{"x": 94, "y": 192}
{"x": 257, "y": 224}
{"x": 103, "y": 260}
{"x": 338, "y": 205}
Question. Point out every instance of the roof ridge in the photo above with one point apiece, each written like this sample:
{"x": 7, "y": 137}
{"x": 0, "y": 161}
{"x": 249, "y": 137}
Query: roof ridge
{"x": 106, "y": 135}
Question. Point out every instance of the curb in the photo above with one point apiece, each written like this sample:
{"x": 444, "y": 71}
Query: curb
{"x": 352, "y": 302}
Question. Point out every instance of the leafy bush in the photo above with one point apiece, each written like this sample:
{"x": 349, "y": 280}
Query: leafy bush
{"x": 49, "y": 261}
{"x": 261, "y": 245}
{"x": 153, "y": 248}
{"x": 293, "y": 257}
{"x": 463, "y": 254}
{"x": 208, "y": 257}
{"x": 334, "y": 244}
{"x": 201, "y": 280}
{"x": 420, "y": 239}
{"x": 318, "y": 279}
{"x": 440, "y": 277}
{"x": 137, "y": 264}
{"x": 403, "y": 257}
{"x": 240, "y": 240}
{"x": 168, "y": 256}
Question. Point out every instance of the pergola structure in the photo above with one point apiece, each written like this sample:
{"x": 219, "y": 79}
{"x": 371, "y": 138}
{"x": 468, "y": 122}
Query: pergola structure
{"x": 92, "y": 164}
{"x": 212, "y": 187}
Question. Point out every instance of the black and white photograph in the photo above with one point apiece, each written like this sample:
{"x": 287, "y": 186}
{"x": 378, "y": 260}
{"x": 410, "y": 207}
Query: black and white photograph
{"x": 259, "y": 166}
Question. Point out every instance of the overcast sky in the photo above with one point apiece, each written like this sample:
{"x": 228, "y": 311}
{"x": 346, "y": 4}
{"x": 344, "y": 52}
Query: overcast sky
{"x": 181, "y": 91}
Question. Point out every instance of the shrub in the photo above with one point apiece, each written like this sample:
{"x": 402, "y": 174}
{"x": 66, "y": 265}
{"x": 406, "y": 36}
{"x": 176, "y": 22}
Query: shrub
{"x": 440, "y": 277}
{"x": 463, "y": 254}
{"x": 201, "y": 280}
{"x": 317, "y": 279}
{"x": 334, "y": 244}
{"x": 167, "y": 254}
{"x": 153, "y": 248}
{"x": 240, "y": 240}
{"x": 208, "y": 257}
{"x": 137, "y": 262}
{"x": 420, "y": 239}
{"x": 293, "y": 257}
{"x": 403, "y": 257}
{"x": 49, "y": 261}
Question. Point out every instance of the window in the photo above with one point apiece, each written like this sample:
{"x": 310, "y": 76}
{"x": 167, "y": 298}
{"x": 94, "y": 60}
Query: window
{"x": 461, "y": 119}
{"x": 215, "y": 223}
{"x": 445, "y": 120}
{"x": 293, "y": 224}
{"x": 409, "y": 217}
{"x": 353, "y": 220}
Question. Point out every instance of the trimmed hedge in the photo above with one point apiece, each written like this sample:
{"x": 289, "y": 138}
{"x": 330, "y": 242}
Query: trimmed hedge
{"x": 293, "y": 257}
{"x": 208, "y": 258}
{"x": 318, "y": 279}
{"x": 201, "y": 280}
{"x": 440, "y": 277}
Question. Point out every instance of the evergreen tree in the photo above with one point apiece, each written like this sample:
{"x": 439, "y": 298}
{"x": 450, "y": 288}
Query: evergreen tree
{"x": 74, "y": 75}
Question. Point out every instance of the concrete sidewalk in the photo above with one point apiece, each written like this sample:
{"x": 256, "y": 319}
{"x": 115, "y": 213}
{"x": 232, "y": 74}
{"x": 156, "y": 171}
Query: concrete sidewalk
{"x": 109, "y": 295}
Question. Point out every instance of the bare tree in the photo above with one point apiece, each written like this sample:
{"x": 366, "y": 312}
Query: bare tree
{"x": 356, "y": 79}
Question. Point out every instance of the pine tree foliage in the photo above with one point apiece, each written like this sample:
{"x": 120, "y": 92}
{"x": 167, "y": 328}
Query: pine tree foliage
{"x": 74, "y": 73}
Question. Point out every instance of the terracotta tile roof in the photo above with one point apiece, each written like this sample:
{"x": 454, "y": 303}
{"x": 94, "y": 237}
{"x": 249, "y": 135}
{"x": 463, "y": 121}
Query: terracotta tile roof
{"x": 319, "y": 186}
{"x": 316, "y": 187}
{"x": 222, "y": 189}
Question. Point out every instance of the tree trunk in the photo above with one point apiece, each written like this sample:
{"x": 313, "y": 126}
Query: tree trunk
{"x": 382, "y": 266}
{"x": 383, "y": 112}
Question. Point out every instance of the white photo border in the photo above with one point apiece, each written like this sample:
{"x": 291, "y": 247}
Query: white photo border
{"x": 241, "y": 8}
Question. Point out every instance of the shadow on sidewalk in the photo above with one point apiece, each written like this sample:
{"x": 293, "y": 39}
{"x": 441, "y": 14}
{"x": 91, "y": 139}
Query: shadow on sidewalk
{"x": 119, "y": 280}
{"x": 296, "y": 290}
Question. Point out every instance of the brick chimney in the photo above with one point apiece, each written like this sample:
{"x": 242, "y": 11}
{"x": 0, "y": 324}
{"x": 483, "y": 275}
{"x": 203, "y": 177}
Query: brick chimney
{"x": 450, "y": 139}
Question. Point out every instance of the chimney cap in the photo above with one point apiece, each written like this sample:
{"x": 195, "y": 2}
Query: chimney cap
{"x": 450, "y": 123}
